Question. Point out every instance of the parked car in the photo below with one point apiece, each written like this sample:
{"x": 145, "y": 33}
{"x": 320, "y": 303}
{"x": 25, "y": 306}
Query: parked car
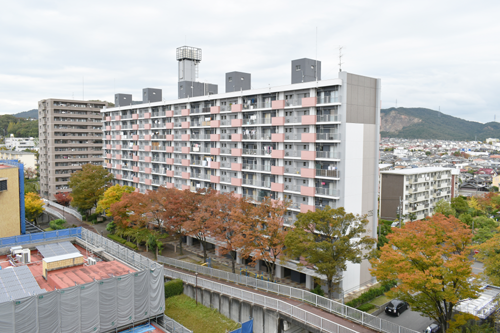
{"x": 395, "y": 224}
{"x": 433, "y": 328}
{"x": 396, "y": 307}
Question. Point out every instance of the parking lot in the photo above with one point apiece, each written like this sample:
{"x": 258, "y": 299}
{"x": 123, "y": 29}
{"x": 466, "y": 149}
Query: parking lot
{"x": 409, "y": 319}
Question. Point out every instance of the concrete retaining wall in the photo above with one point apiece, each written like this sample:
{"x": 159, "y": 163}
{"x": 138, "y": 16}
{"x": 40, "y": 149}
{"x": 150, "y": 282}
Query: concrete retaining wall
{"x": 264, "y": 320}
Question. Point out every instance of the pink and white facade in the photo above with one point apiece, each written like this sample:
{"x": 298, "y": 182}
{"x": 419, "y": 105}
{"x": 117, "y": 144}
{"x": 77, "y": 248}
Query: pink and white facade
{"x": 313, "y": 143}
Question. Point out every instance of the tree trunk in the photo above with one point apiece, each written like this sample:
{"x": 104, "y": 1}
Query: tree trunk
{"x": 180, "y": 244}
{"x": 204, "y": 244}
{"x": 147, "y": 247}
{"x": 329, "y": 283}
{"x": 156, "y": 253}
{"x": 233, "y": 264}
{"x": 271, "y": 271}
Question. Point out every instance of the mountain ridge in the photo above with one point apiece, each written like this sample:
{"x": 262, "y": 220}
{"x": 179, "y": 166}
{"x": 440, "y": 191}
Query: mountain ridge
{"x": 422, "y": 123}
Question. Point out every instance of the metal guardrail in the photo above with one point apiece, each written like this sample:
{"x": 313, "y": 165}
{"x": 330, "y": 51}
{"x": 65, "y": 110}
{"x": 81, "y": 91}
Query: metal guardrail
{"x": 53, "y": 212}
{"x": 69, "y": 210}
{"x": 172, "y": 326}
{"x": 41, "y": 237}
{"x": 319, "y": 301}
{"x": 267, "y": 302}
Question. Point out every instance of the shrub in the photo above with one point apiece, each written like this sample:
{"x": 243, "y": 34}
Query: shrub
{"x": 111, "y": 227}
{"x": 371, "y": 294}
{"x": 117, "y": 239}
{"x": 174, "y": 288}
{"x": 57, "y": 224}
{"x": 318, "y": 291}
{"x": 366, "y": 307}
{"x": 131, "y": 245}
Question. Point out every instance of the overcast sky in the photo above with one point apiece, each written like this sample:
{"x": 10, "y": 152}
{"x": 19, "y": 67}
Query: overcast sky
{"x": 430, "y": 54}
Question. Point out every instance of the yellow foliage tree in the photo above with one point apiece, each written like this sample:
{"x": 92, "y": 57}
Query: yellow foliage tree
{"x": 111, "y": 196}
{"x": 474, "y": 203}
{"x": 33, "y": 206}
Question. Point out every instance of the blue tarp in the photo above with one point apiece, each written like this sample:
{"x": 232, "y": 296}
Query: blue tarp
{"x": 246, "y": 327}
{"x": 140, "y": 329}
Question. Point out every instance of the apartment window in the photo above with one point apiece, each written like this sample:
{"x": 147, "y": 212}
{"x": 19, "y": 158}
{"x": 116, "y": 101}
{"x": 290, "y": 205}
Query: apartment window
{"x": 230, "y": 79}
{"x": 3, "y": 185}
{"x": 297, "y": 68}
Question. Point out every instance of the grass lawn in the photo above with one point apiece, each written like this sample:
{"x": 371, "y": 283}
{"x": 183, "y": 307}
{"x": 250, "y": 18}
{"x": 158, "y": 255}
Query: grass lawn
{"x": 199, "y": 319}
{"x": 48, "y": 229}
{"x": 381, "y": 300}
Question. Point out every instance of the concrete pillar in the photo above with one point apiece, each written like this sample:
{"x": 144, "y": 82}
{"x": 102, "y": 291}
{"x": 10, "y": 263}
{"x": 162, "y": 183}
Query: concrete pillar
{"x": 216, "y": 250}
{"x": 189, "y": 241}
{"x": 201, "y": 246}
{"x": 257, "y": 265}
{"x": 207, "y": 298}
{"x": 309, "y": 282}
{"x": 225, "y": 303}
{"x": 280, "y": 271}
{"x": 246, "y": 312}
{"x": 239, "y": 260}
{"x": 235, "y": 310}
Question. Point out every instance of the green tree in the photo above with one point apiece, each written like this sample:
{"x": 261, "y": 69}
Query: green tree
{"x": 430, "y": 260}
{"x": 459, "y": 204}
{"x": 327, "y": 239}
{"x": 112, "y": 195}
{"x": 88, "y": 185}
{"x": 444, "y": 207}
{"x": 489, "y": 255}
{"x": 412, "y": 216}
{"x": 33, "y": 206}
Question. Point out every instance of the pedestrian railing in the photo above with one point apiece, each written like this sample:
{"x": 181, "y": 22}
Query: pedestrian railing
{"x": 40, "y": 237}
{"x": 53, "y": 212}
{"x": 172, "y": 326}
{"x": 69, "y": 210}
{"x": 300, "y": 294}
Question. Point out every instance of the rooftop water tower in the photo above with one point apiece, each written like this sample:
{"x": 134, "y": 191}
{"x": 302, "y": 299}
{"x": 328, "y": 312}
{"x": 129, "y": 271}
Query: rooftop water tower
{"x": 189, "y": 59}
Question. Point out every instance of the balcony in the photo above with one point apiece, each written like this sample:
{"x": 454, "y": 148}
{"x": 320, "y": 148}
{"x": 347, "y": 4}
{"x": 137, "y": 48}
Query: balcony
{"x": 328, "y": 154}
{"x": 328, "y": 118}
{"x": 328, "y": 173}
{"x": 327, "y": 192}
{"x": 329, "y": 99}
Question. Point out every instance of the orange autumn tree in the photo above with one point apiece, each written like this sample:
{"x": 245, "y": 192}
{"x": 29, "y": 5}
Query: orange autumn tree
{"x": 199, "y": 224}
{"x": 429, "y": 260}
{"x": 265, "y": 234}
{"x": 231, "y": 214}
{"x": 180, "y": 209}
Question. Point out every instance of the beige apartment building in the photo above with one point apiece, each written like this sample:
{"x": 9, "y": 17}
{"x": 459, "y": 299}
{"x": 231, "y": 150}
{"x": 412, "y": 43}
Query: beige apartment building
{"x": 70, "y": 134}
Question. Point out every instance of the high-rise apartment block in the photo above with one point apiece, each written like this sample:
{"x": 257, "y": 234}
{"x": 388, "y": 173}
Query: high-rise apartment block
{"x": 70, "y": 135}
{"x": 414, "y": 191}
{"x": 313, "y": 143}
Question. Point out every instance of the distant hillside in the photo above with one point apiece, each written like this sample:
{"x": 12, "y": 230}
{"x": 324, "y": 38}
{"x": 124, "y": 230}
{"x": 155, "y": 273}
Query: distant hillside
{"x": 420, "y": 123}
{"x": 33, "y": 114}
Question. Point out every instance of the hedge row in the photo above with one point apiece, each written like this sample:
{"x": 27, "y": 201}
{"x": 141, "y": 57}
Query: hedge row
{"x": 117, "y": 239}
{"x": 123, "y": 241}
{"x": 174, "y": 288}
{"x": 371, "y": 294}
{"x": 366, "y": 307}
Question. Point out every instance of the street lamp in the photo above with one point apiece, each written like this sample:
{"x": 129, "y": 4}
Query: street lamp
{"x": 196, "y": 289}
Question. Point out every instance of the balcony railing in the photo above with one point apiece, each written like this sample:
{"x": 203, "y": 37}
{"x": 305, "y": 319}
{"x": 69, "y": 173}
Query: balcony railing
{"x": 329, "y": 99}
{"x": 291, "y": 169}
{"x": 327, "y": 118}
{"x": 327, "y": 191}
{"x": 327, "y": 136}
{"x": 328, "y": 154}
{"x": 293, "y": 188}
{"x": 328, "y": 173}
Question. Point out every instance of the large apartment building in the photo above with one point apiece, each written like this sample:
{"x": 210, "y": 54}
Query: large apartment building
{"x": 414, "y": 191}
{"x": 70, "y": 135}
{"x": 312, "y": 142}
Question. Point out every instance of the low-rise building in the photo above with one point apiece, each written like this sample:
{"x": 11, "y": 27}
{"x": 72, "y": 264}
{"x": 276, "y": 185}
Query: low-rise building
{"x": 28, "y": 159}
{"x": 12, "y": 217}
{"x": 20, "y": 144}
{"x": 413, "y": 191}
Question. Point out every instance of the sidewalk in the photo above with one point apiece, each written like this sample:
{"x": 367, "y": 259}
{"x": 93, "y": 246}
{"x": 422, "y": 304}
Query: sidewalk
{"x": 326, "y": 315}
{"x": 70, "y": 220}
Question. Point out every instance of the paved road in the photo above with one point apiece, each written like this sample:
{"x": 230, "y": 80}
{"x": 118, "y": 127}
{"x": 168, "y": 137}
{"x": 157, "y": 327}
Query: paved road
{"x": 409, "y": 319}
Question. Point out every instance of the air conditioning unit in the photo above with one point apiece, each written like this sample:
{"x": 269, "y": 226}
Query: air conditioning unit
{"x": 25, "y": 256}
{"x": 91, "y": 261}
{"x": 15, "y": 249}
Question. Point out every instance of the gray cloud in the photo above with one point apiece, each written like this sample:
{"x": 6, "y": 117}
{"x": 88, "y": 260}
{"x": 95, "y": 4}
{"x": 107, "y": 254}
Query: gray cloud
{"x": 428, "y": 54}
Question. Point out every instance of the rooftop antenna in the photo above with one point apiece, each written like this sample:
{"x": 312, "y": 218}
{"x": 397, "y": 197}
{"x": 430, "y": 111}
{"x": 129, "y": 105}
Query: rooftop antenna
{"x": 316, "y": 66}
{"x": 340, "y": 58}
